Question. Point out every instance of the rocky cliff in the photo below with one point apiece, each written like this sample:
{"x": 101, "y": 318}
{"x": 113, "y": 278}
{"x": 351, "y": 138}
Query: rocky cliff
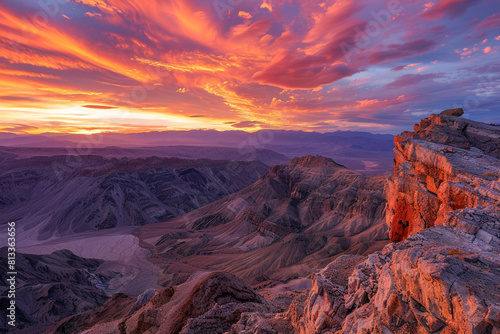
{"x": 446, "y": 164}
{"x": 439, "y": 279}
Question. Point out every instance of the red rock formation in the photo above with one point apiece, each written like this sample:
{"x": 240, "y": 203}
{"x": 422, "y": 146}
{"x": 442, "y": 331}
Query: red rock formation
{"x": 443, "y": 280}
{"x": 446, "y": 164}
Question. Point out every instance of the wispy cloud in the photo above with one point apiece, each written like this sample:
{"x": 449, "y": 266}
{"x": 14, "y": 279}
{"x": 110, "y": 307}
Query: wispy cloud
{"x": 349, "y": 64}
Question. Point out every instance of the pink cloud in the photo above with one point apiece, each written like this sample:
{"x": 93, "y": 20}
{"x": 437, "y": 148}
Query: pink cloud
{"x": 306, "y": 72}
{"x": 244, "y": 15}
{"x": 449, "y": 8}
{"x": 490, "y": 23}
{"x": 93, "y": 14}
{"x": 246, "y": 124}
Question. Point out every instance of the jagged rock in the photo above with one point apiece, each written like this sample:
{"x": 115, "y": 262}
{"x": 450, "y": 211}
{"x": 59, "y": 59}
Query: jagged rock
{"x": 52, "y": 287}
{"x": 445, "y": 279}
{"x": 339, "y": 271}
{"x": 324, "y": 307}
{"x": 447, "y": 164}
{"x": 363, "y": 282}
{"x": 206, "y": 303}
{"x": 254, "y": 323}
{"x": 435, "y": 281}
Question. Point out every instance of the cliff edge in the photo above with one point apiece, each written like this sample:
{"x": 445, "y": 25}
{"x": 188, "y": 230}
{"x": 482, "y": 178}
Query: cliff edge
{"x": 446, "y": 164}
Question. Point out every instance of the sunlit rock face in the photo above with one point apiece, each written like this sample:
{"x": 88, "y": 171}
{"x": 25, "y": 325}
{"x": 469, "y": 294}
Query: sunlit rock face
{"x": 442, "y": 280}
{"x": 446, "y": 164}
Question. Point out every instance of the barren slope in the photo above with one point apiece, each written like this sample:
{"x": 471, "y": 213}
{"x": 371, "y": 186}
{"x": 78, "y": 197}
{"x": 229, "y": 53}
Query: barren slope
{"x": 50, "y": 198}
{"x": 294, "y": 218}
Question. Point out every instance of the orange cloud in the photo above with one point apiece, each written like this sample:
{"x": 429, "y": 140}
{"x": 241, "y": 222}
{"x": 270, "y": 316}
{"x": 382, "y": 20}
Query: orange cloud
{"x": 267, "y": 4}
{"x": 377, "y": 104}
{"x": 244, "y": 15}
{"x": 268, "y": 64}
{"x": 50, "y": 38}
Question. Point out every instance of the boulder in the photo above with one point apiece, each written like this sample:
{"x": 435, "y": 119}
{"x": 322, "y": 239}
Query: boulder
{"x": 453, "y": 112}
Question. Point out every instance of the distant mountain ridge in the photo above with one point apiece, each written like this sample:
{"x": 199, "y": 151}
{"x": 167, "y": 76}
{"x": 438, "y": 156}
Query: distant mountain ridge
{"x": 232, "y": 138}
{"x": 361, "y": 151}
{"x": 184, "y": 152}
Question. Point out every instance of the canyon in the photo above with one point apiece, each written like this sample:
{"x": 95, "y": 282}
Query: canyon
{"x": 309, "y": 247}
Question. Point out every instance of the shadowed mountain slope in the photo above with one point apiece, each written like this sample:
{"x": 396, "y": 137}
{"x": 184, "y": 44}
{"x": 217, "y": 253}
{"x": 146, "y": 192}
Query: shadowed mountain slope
{"x": 52, "y": 286}
{"x": 183, "y": 152}
{"x": 61, "y": 195}
{"x": 301, "y": 213}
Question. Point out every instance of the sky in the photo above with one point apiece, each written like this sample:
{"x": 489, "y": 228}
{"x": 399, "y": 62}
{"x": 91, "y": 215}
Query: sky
{"x": 86, "y": 66}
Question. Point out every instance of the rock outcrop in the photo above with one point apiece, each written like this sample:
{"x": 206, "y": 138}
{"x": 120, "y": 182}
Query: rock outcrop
{"x": 444, "y": 280}
{"x": 324, "y": 308}
{"x": 443, "y": 274}
{"x": 206, "y": 303}
{"x": 439, "y": 279}
{"x": 446, "y": 164}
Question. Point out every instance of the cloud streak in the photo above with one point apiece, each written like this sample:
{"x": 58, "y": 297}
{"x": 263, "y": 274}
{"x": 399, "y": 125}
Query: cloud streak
{"x": 266, "y": 64}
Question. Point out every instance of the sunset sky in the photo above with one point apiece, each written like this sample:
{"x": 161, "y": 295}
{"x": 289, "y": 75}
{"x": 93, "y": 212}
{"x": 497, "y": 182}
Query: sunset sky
{"x": 84, "y": 66}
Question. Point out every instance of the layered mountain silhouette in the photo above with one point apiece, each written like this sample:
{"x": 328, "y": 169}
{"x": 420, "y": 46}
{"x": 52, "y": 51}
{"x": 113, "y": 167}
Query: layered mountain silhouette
{"x": 350, "y": 148}
{"x": 183, "y": 152}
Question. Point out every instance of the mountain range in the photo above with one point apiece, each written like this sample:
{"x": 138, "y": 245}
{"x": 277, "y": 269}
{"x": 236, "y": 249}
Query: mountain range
{"x": 296, "y": 216}
{"x": 361, "y": 151}
{"x": 60, "y": 195}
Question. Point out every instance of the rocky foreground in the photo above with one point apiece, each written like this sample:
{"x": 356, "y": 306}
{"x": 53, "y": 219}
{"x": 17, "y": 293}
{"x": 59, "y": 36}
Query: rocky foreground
{"x": 443, "y": 276}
